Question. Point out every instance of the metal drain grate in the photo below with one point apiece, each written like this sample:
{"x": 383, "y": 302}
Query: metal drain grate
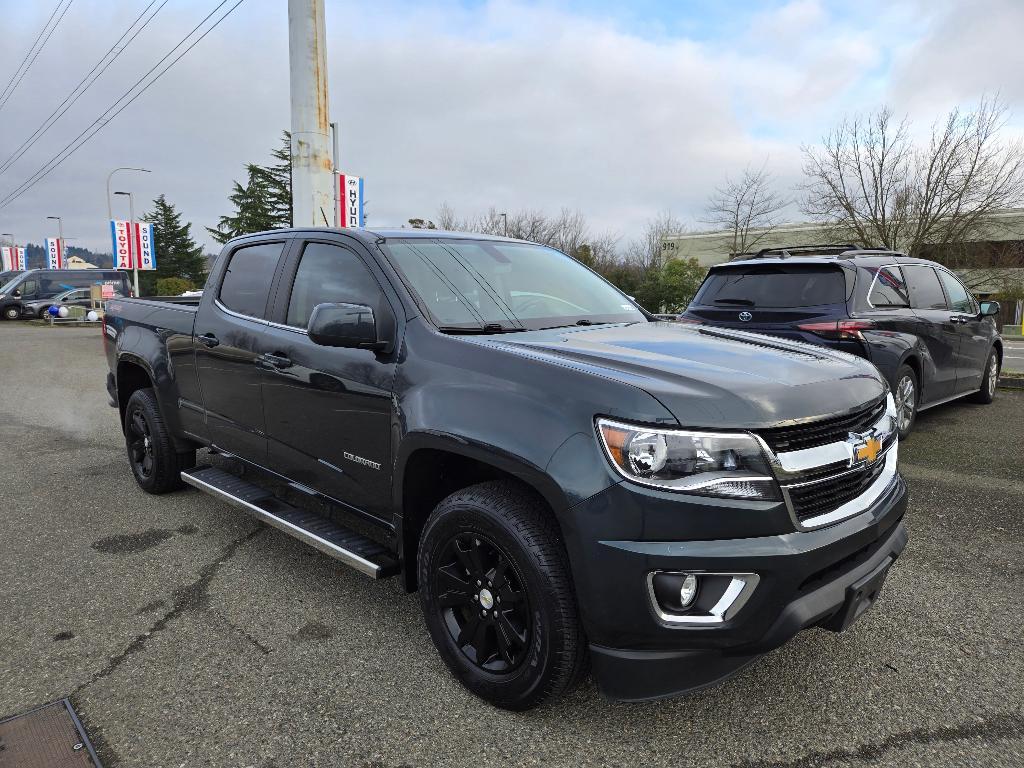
{"x": 49, "y": 736}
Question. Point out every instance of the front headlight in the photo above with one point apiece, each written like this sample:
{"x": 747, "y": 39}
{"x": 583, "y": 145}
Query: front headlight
{"x": 706, "y": 463}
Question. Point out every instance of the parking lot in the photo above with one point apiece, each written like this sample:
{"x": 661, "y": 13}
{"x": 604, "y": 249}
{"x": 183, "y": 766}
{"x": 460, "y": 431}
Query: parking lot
{"x": 188, "y": 634}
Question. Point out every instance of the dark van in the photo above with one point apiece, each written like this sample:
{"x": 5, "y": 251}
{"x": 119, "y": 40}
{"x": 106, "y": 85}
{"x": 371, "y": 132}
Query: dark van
{"x": 21, "y": 296}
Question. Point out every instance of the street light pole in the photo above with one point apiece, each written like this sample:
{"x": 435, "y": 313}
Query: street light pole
{"x": 131, "y": 234}
{"x": 110, "y": 209}
{"x": 504, "y": 218}
{"x": 60, "y": 236}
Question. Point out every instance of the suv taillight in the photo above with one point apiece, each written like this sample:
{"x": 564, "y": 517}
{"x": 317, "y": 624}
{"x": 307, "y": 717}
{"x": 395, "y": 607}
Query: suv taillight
{"x": 838, "y": 330}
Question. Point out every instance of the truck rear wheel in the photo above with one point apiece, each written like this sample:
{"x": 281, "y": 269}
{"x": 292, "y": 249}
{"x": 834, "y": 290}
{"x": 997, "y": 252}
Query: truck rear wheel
{"x": 154, "y": 461}
{"x": 498, "y": 597}
{"x": 12, "y": 313}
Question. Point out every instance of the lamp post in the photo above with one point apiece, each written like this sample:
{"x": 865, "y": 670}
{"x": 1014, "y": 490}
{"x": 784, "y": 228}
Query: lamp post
{"x": 131, "y": 234}
{"x": 110, "y": 209}
{"x": 60, "y": 235}
{"x": 504, "y": 218}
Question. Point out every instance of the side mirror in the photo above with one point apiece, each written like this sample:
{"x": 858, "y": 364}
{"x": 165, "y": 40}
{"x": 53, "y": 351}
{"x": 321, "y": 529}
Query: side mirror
{"x": 352, "y": 326}
{"x": 989, "y": 308}
{"x": 16, "y": 293}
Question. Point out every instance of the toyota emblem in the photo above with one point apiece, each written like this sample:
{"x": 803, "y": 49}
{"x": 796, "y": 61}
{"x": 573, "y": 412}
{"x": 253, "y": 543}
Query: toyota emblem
{"x": 746, "y": 317}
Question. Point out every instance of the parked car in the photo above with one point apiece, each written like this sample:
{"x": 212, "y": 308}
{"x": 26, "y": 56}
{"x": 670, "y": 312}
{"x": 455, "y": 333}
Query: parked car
{"x": 76, "y": 297}
{"x": 559, "y": 475}
{"x": 27, "y": 293}
{"x": 7, "y": 275}
{"x": 912, "y": 318}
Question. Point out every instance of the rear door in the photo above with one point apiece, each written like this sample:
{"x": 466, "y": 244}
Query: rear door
{"x": 939, "y": 331}
{"x": 328, "y": 410}
{"x": 975, "y": 333}
{"x": 229, "y": 331}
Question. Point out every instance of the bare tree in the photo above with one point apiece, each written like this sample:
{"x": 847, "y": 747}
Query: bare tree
{"x": 447, "y": 220}
{"x": 747, "y": 207}
{"x": 874, "y": 186}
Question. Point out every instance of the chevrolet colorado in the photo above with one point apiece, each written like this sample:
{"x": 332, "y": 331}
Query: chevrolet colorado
{"x": 565, "y": 480}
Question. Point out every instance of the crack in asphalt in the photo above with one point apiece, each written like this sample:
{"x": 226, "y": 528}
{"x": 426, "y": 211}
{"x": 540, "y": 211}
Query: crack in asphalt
{"x": 190, "y": 597}
{"x": 1001, "y": 726}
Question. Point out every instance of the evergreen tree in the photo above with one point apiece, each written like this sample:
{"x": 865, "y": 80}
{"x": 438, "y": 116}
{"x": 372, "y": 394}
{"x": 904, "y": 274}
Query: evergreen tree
{"x": 265, "y": 202}
{"x": 177, "y": 254}
{"x": 254, "y": 207}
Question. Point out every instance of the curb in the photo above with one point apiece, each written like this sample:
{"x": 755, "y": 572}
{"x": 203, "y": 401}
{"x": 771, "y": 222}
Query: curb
{"x": 1011, "y": 382}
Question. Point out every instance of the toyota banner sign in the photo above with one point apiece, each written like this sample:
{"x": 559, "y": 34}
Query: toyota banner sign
{"x": 134, "y": 245}
{"x": 12, "y": 257}
{"x": 54, "y": 253}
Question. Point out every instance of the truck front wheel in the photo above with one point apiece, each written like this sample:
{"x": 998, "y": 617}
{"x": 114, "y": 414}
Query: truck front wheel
{"x": 155, "y": 463}
{"x": 498, "y": 597}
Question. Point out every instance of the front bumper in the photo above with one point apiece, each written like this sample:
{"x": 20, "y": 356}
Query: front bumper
{"x": 805, "y": 578}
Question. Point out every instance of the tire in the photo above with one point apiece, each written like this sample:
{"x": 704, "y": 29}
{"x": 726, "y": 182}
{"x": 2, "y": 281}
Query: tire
{"x": 987, "y": 392}
{"x": 519, "y": 656}
{"x": 155, "y": 463}
{"x": 43, "y": 313}
{"x": 906, "y": 386}
{"x": 12, "y": 313}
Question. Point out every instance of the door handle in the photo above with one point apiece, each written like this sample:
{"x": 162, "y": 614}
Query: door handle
{"x": 208, "y": 340}
{"x": 276, "y": 361}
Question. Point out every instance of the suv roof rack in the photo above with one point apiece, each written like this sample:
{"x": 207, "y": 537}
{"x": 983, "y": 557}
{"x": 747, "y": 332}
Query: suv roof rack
{"x": 845, "y": 251}
{"x": 802, "y": 250}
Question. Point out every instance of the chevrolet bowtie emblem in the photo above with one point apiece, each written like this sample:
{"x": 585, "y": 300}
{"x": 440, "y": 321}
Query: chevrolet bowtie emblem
{"x": 868, "y": 450}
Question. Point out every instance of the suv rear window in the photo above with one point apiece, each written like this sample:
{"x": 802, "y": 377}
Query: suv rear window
{"x": 773, "y": 286}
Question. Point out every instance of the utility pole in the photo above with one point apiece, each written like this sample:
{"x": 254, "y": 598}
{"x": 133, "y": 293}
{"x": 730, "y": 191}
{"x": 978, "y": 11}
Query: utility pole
{"x": 312, "y": 165}
{"x": 131, "y": 234}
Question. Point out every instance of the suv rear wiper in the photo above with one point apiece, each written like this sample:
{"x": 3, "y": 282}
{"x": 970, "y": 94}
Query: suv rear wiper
{"x": 488, "y": 329}
{"x": 744, "y": 302}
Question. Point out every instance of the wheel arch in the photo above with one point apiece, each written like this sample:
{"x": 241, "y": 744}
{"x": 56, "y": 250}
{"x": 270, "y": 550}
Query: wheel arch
{"x": 431, "y": 467}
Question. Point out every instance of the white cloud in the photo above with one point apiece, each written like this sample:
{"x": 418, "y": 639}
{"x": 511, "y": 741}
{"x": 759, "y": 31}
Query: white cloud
{"x": 507, "y": 104}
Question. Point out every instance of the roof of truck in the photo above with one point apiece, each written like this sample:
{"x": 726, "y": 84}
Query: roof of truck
{"x": 371, "y": 234}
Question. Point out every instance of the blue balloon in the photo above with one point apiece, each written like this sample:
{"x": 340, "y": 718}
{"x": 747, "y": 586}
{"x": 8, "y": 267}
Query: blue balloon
{"x": 53, "y": 310}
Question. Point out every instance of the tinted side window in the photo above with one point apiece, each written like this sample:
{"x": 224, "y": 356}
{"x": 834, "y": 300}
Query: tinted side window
{"x": 925, "y": 289}
{"x": 959, "y": 299}
{"x": 247, "y": 280}
{"x": 329, "y": 274}
{"x": 28, "y": 288}
{"x": 888, "y": 288}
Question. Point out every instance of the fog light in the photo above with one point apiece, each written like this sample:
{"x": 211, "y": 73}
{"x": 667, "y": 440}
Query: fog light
{"x": 687, "y": 590}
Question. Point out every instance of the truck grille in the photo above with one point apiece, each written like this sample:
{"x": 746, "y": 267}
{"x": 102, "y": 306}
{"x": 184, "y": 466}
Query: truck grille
{"x": 823, "y": 432}
{"x": 823, "y": 496}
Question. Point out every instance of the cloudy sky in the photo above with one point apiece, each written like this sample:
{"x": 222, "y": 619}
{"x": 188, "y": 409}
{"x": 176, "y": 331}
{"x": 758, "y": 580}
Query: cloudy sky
{"x": 618, "y": 109}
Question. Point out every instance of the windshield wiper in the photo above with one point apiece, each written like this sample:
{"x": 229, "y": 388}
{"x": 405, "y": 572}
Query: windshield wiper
{"x": 485, "y": 329}
{"x": 743, "y": 302}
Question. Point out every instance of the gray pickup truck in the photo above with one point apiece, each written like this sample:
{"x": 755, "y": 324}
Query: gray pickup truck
{"x": 563, "y": 478}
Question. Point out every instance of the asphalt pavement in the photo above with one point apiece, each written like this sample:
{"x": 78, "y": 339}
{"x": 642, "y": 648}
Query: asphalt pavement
{"x": 187, "y": 634}
{"x": 1013, "y": 356}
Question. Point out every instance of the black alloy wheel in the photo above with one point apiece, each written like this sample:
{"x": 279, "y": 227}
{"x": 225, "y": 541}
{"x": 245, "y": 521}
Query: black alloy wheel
{"x": 140, "y": 444}
{"x": 155, "y": 462}
{"x": 483, "y": 603}
{"x": 497, "y": 595}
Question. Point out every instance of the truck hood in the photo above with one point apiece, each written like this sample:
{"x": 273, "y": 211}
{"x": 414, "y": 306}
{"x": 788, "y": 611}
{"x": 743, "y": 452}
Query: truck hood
{"x": 712, "y": 377}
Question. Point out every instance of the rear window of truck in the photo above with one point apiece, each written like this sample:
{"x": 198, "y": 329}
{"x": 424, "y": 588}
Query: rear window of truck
{"x": 772, "y": 285}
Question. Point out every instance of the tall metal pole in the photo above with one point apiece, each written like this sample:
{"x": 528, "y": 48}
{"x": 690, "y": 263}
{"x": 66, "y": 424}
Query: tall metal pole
{"x": 312, "y": 168}
{"x": 60, "y": 237}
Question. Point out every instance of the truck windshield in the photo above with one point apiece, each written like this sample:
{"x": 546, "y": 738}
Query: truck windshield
{"x": 478, "y": 284}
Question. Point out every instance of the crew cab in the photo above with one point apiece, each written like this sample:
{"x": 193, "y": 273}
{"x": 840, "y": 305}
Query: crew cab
{"x": 912, "y": 318}
{"x": 561, "y": 476}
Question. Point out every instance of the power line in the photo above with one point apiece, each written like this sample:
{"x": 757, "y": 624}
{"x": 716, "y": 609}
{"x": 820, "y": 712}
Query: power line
{"x": 109, "y": 114}
{"x": 75, "y": 94}
{"x": 23, "y": 68}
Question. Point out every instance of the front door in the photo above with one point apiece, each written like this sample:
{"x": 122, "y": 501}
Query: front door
{"x": 939, "y": 330}
{"x": 974, "y": 331}
{"x": 229, "y": 329}
{"x": 328, "y": 409}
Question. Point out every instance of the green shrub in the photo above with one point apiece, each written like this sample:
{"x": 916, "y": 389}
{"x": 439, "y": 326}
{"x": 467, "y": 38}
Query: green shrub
{"x": 172, "y": 286}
